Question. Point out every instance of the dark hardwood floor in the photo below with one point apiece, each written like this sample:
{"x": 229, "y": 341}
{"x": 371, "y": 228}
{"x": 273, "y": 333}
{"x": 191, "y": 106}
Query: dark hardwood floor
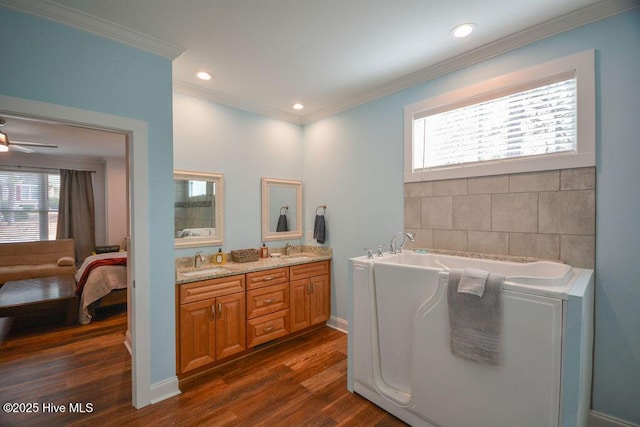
{"x": 301, "y": 382}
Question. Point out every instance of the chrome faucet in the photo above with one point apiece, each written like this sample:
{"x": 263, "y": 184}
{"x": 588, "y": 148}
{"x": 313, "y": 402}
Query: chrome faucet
{"x": 287, "y": 248}
{"x": 406, "y": 236}
{"x": 198, "y": 259}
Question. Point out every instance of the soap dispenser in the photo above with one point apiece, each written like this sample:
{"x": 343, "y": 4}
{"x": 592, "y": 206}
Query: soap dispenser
{"x": 219, "y": 258}
{"x": 264, "y": 251}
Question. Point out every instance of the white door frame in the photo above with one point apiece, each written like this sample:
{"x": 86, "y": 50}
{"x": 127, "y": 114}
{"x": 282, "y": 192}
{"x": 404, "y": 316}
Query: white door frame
{"x": 139, "y": 267}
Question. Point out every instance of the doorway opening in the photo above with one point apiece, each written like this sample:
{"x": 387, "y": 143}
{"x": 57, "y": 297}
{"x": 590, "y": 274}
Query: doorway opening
{"x": 134, "y": 133}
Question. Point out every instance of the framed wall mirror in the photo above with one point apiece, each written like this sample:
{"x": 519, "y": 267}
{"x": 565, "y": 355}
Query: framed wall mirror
{"x": 198, "y": 209}
{"x": 281, "y": 209}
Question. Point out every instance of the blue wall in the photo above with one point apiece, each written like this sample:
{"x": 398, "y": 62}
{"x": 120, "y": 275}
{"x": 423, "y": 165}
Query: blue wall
{"x": 243, "y": 146}
{"x": 52, "y": 63}
{"x": 353, "y": 162}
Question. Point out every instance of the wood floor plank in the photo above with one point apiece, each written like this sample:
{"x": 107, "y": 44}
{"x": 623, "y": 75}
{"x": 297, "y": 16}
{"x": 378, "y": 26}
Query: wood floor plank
{"x": 300, "y": 382}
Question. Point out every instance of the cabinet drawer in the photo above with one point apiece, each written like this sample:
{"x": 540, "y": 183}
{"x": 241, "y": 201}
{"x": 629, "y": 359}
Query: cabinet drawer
{"x": 266, "y": 328}
{"x": 264, "y": 278}
{"x": 267, "y": 300}
{"x": 198, "y": 291}
{"x": 302, "y": 271}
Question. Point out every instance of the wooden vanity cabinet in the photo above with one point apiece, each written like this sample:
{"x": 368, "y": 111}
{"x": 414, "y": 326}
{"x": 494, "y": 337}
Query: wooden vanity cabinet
{"x": 310, "y": 295}
{"x": 211, "y": 321}
{"x": 228, "y": 316}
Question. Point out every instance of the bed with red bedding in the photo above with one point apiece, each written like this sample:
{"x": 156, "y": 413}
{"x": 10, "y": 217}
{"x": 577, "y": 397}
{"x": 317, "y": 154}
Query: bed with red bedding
{"x": 98, "y": 277}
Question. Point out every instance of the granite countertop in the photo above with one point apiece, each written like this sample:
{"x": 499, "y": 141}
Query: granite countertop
{"x": 187, "y": 273}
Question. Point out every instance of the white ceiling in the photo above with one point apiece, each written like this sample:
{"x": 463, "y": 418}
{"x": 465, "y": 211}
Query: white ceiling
{"x": 327, "y": 54}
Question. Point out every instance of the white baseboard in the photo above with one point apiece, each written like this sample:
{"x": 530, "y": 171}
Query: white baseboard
{"x": 338, "y": 323}
{"x": 164, "y": 390}
{"x": 127, "y": 342}
{"x": 597, "y": 419}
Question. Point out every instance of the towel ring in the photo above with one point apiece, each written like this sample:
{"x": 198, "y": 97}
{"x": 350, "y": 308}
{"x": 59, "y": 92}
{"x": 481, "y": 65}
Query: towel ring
{"x": 324, "y": 207}
{"x": 286, "y": 208}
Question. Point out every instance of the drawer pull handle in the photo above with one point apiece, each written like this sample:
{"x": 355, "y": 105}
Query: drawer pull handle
{"x": 268, "y": 278}
{"x": 268, "y": 301}
{"x": 267, "y": 330}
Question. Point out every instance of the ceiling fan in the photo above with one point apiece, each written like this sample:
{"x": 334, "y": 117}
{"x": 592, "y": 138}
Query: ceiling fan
{"x": 6, "y": 145}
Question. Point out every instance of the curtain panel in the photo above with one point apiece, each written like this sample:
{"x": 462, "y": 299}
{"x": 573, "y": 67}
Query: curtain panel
{"x": 76, "y": 212}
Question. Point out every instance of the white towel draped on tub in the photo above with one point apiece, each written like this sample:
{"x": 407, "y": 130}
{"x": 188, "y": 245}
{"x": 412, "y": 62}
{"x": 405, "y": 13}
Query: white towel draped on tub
{"x": 475, "y": 322}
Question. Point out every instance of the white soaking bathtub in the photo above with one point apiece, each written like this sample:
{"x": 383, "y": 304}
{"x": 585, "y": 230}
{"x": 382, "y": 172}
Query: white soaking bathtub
{"x": 400, "y": 358}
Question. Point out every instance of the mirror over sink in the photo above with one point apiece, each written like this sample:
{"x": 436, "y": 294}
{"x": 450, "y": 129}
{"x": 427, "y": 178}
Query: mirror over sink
{"x": 281, "y": 209}
{"x": 198, "y": 208}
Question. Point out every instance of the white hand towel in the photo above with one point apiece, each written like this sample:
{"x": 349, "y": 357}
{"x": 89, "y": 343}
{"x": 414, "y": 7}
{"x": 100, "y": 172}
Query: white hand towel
{"x": 473, "y": 281}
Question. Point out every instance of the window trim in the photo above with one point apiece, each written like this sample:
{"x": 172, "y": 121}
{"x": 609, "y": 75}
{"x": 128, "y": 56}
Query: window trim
{"x": 582, "y": 64}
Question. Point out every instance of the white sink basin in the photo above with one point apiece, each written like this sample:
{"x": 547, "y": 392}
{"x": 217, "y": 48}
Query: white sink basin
{"x": 207, "y": 272}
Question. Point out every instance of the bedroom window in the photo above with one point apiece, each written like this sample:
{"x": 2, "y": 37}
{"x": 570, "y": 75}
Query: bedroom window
{"x": 28, "y": 206}
{"x": 540, "y": 118}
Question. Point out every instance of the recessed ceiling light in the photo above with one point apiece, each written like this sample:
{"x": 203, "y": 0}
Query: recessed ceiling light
{"x": 298, "y": 106}
{"x": 204, "y": 75}
{"x": 462, "y": 30}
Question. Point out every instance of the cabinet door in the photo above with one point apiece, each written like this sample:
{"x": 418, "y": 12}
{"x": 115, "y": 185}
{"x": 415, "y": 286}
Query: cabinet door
{"x": 320, "y": 304}
{"x": 197, "y": 334}
{"x": 230, "y": 325}
{"x": 299, "y": 304}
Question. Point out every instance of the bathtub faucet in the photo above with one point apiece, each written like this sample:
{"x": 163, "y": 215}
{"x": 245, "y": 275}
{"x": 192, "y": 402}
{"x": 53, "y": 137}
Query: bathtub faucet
{"x": 396, "y": 250}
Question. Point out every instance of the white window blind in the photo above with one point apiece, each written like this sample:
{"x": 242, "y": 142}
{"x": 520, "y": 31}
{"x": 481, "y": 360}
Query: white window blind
{"x": 534, "y": 120}
{"x": 28, "y": 206}
{"x": 538, "y": 118}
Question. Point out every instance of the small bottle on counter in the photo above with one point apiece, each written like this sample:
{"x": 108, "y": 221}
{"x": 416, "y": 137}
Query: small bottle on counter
{"x": 264, "y": 251}
{"x": 219, "y": 258}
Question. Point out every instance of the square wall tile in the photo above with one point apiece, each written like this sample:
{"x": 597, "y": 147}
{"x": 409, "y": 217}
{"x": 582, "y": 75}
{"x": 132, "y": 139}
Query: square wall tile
{"x": 568, "y": 212}
{"x": 578, "y": 179}
{"x": 488, "y": 184}
{"x": 453, "y": 240}
{"x": 578, "y": 251}
{"x": 412, "y": 217}
{"x": 517, "y": 212}
{"x": 487, "y": 242}
{"x": 535, "y": 181}
{"x": 472, "y": 212}
{"x": 545, "y": 246}
{"x": 437, "y": 212}
{"x": 450, "y": 187}
{"x": 418, "y": 189}
{"x": 423, "y": 238}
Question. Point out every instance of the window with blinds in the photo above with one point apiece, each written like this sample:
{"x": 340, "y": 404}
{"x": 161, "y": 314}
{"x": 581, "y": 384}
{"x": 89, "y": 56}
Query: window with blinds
{"x": 28, "y": 206}
{"x": 532, "y": 122}
{"x": 540, "y": 118}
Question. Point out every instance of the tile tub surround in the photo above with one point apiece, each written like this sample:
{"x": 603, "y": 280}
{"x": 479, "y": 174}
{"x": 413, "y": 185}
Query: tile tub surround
{"x": 314, "y": 253}
{"x": 543, "y": 215}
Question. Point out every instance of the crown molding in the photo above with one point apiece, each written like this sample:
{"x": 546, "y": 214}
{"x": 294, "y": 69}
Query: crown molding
{"x": 81, "y": 20}
{"x": 90, "y": 23}
{"x": 233, "y": 101}
{"x": 569, "y": 21}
